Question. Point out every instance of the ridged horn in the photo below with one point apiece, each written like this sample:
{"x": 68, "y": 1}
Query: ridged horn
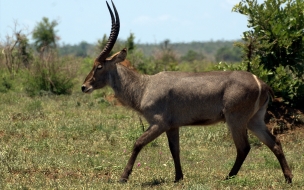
{"x": 113, "y": 36}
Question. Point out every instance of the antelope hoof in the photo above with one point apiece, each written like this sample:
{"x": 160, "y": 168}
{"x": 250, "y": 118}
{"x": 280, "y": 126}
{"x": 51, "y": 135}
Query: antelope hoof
{"x": 288, "y": 179}
{"x": 123, "y": 180}
{"x": 230, "y": 177}
{"x": 178, "y": 179}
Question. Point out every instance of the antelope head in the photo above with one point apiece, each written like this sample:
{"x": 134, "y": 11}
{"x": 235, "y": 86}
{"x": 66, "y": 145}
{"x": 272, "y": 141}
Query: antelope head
{"x": 98, "y": 76}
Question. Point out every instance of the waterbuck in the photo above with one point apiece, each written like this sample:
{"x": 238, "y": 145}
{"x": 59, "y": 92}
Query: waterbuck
{"x": 168, "y": 100}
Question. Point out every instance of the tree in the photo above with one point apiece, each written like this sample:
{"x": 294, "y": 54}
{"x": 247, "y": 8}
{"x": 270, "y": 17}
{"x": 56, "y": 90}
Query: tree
{"x": 16, "y": 51}
{"x": 166, "y": 58}
{"x": 130, "y": 43}
{"x": 228, "y": 54}
{"x": 82, "y": 49}
{"x": 192, "y": 55}
{"x": 276, "y": 34}
{"x": 44, "y": 35}
{"x": 102, "y": 43}
{"x": 24, "y": 51}
{"x": 275, "y": 42}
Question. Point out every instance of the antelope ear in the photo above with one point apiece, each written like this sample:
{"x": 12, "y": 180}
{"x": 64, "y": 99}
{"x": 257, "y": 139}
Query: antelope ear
{"x": 122, "y": 55}
{"x": 119, "y": 56}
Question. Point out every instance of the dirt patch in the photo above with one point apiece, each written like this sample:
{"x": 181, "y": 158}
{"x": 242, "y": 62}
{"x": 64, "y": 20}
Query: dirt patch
{"x": 281, "y": 118}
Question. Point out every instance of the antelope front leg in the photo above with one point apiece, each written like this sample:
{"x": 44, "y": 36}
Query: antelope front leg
{"x": 173, "y": 139}
{"x": 149, "y": 135}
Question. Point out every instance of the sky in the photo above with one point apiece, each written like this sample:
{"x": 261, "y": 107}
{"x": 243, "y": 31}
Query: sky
{"x": 151, "y": 21}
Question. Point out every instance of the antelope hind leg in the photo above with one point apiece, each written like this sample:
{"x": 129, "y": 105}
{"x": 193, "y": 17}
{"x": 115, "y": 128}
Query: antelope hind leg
{"x": 240, "y": 138}
{"x": 173, "y": 139}
{"x": 258, "y": 127}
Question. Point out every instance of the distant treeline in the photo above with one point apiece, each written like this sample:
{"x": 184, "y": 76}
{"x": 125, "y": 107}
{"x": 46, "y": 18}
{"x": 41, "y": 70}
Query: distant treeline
{"x": 214, "y": 51}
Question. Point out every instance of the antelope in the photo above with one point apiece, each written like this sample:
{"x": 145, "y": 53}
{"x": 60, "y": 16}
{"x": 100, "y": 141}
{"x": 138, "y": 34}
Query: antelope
{"x": 169, "y": 100}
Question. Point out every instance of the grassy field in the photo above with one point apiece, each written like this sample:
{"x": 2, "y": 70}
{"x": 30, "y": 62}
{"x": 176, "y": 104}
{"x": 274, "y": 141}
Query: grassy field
{"x": 83, "y": 142}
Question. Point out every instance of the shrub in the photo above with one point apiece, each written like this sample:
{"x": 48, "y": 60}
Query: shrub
{"x": 288, "y": 85}
{"x": 51, "y": 74}
{"x": 274, "y": 45}
{"x": 5, "y": 84}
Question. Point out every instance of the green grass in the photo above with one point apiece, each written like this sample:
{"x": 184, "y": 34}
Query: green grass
{"x": 83, "y": 142}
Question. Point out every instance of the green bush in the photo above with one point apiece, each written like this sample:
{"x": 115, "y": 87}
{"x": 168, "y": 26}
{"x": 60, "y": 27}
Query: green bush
{"x": 163, "y": 59}
{"x": 52, "y": 75}
{"x": 288, "y": 85}
{"x": 5, "y": 84}
{"x": 5, "y": 81}
{"x": 274, "y": 45}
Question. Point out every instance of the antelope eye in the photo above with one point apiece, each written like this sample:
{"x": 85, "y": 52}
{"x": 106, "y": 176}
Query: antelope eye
{"x": 99, "y": 67}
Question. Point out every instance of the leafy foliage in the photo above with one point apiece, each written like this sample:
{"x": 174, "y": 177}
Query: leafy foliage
{"x": 228, "y": 54}
{"x": 186, "y": 52}
{"x": 16, "y": 52}
{"x": 277, "y": 31}
{"x": 275, "y": 43}
{"x": 5, "y": 83}
{"x": 101, "y": 43}
{"x": 165, "y": 58}
{"x": 130, "y": 44}
{"x": 50, "y": 75}
{"x": 192, "y": 56}
{"x": 44, "y": 34}
{"x": 287, "y": 84}
{"x": 48, "y": 72}
{"x": 82, "y": 50}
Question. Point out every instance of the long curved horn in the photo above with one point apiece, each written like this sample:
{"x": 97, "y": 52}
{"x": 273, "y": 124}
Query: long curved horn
{"x": 113, "y": 36}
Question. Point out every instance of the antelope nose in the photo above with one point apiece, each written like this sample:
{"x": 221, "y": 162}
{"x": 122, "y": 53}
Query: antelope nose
{"x": 83, "y": 88}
